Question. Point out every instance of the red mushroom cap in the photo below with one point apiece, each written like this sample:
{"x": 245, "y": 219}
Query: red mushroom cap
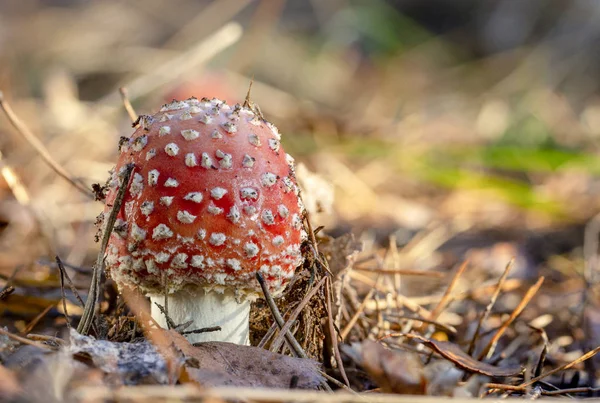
{"x": 212, "y": 200}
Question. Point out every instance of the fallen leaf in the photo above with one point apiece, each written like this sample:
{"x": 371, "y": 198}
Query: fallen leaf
{"x": 394, "y": 371}
{"x": 453, "y": 353}
{"x": 127, "y": 363}
{"x": 226, "y": 364}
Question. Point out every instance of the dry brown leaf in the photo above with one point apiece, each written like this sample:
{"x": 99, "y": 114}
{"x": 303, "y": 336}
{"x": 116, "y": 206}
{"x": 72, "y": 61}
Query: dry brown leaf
{"x": 9, "y": 385}
{"x": 226, "y": 364}
{"x": 394, "y": 371}
{"x": 453, "y": 353}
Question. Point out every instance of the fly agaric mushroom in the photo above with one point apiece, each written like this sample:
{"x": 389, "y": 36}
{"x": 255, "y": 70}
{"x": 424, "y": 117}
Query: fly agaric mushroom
{"x": 211, "y": 201}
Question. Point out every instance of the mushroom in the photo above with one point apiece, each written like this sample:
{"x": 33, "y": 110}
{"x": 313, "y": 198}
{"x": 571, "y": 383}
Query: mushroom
{"x": 212, "y": 200}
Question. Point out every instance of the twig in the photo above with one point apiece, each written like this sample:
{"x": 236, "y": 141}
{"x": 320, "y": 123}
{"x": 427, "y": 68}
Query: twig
{"x": 23, "y": 340}
{"x": 344, "y": 333}
{"x": 489, "y": 349}
{"x": 170, "y": 323}
{"x": 332, "y": 332}
{"x": 489, "y": 307}
{"x": 6, "y": 291}
{"x": 91, "y": 305}
{"x": 294, "y": 315}
{"x": 61, "y": 267}
{"x": 14, "y": 183}
{"x": 35, "y": 320}
{"x": 403, "y": 272}
{"x": 203, "y": 330}
{"x": 448, "y": 293}
{"x": 61, "y": 270}
{"x": 24, "y": 131}
{"x": 127, "y": 104}
{"x": 277, "y": 316}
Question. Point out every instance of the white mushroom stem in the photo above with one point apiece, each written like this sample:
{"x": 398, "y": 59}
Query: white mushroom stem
{"x": 206, "y": 309}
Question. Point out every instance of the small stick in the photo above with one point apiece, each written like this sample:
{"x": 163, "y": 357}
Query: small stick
{"x": 333, "y": 334}
{"x": 35, "y": 320}
{"x": 23, "y": 340}
{"x": 489, "y": 349}
{"x": 448, "y": 293}
{"x": 6, "y": 291}
{"x": 61, "y": 268}
{"x": 277, "y": 316}
{"x": 33, "y": 141}
{"x": 170, "y": 323}
{"x": 91, "y": 305}
{"x": 127, "y": 104}
{"x": 403, "y": 272}
{"x": 356, "y": 315}
{"x": 203, "y": 330}
{"x": 294, "y": 315}
{"x": 489, "y": 307}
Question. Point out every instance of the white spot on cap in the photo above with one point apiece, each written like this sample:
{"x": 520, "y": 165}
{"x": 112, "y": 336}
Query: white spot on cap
{"x": 248, "y": 193}
{"x": 283, "y": 211}
{"x": 201, "y": 233}
{"x": 166, "y": 200}
{"x": 234, "y": 264}
{"x": 216, "y": 134}
{"x": 217, "y": 193}
{"x": 153, "y": 177}
{"x": 274, "y": 130}
{"x": 190, "y": 134}
{"x": 137, "y": 185}
{"x": 206, "y": 119}
{"x": 151, "y": 266}
{"x": 147, "y": 208}
{"x": 254, "y": 140}
{"x": 197, "y": 261}
{"x": 250, "y": 249}
{"x": 230, "y": 127}
{"x": 172, "y": 149}
{"x": 219, "y": 278}
{"x": 179, "y": 261}
{"x": 267, "y": 217}
{"x": 278, "y": 240}
{"x": 185, "y": 217}
{"x": 206, "y": 161}
{"x": 185, "y": 116}
{"x": 150, "y": 154}
{"x": 196, "y": 197}
{"x": 139, "y": 143}
{"x": 217, "y": 239}
{"x": 274, "y": 145}
{"x": 214, "y": 210}
{"x": 162, "y": 257}
{"x": 137, "y": 233}
{"x": 289, "y": 159}
{"x": 166, "y": 117}
{"x": 248, "y": 161}
{"x": 289, "y": 185}
{"x": 250, "y": 210}
{"x": 195, "y": 108}
{"x": 190, "y": 160}
{"x": 296, "y": 221}
{"x": 163, "y": 131}
{"x": 234, "y": 215}
{"x": 171, "y": 183}
{"x": 226, "y": 159}
{"x": 173, "y": 106}
{"x": 161, "y": 231}
{"x": 268, "y": 179}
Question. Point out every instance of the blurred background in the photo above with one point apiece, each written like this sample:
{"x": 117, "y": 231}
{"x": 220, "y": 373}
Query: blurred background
{"x": 451, "y": 130}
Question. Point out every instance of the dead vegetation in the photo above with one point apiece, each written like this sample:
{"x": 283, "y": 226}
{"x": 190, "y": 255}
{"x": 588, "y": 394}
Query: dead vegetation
{"x": 453, "y": 207}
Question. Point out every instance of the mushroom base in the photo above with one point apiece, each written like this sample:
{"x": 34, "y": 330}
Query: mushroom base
{"x": 206, "y": 309}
